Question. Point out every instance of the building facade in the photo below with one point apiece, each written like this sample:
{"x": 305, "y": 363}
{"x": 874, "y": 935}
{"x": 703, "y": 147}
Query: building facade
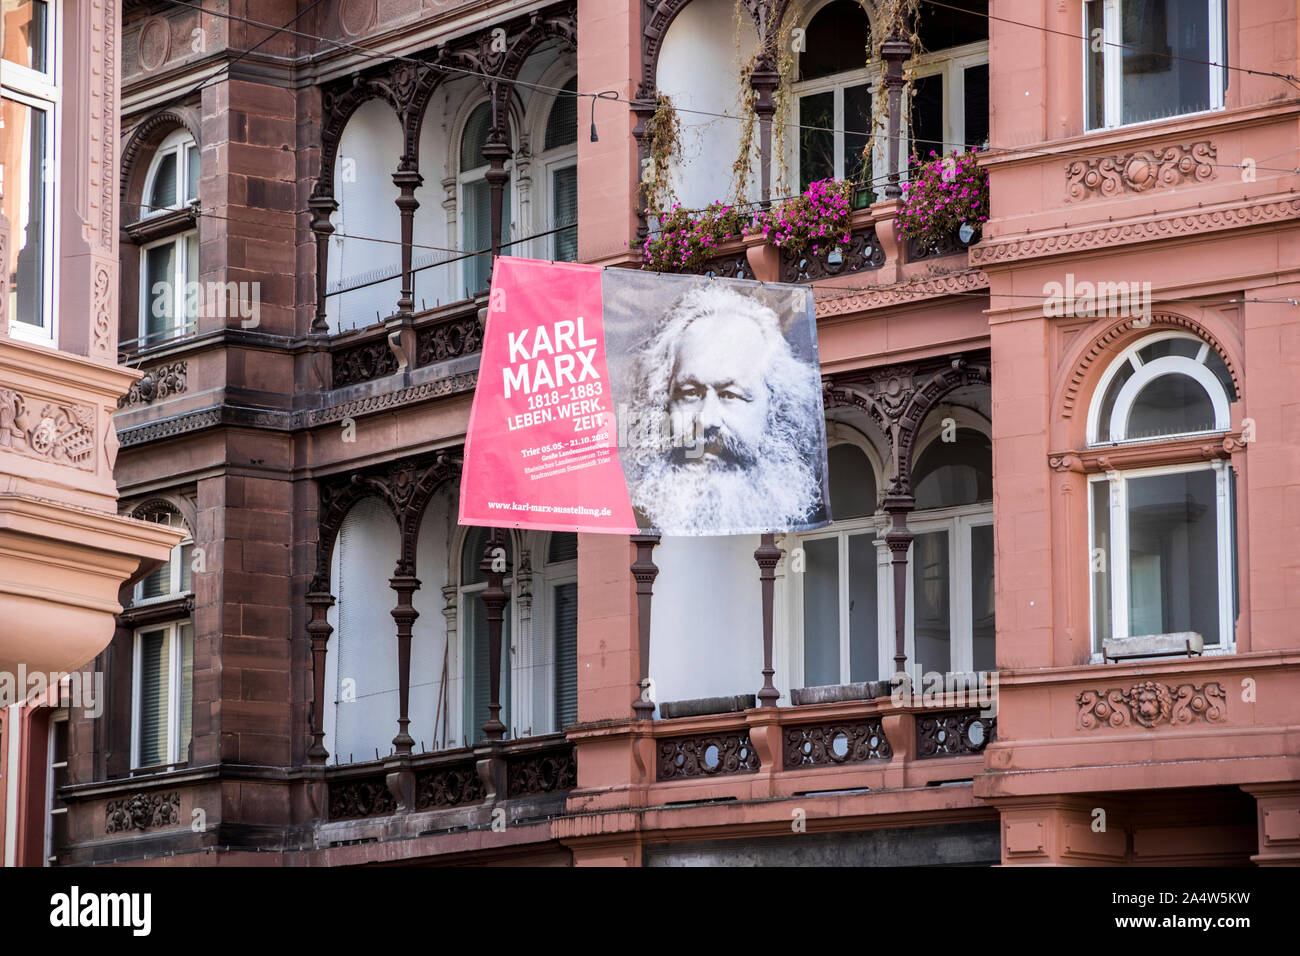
{"x": 1061, "y": 462}
{"x": 64, "y": 549}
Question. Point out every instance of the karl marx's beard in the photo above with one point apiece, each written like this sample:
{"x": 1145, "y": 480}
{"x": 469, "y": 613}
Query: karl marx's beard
{"x": 745, "y": 489}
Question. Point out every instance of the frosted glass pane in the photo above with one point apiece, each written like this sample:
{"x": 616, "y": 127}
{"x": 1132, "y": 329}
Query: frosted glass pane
{"x": 821, "y": 613}
{"x": 930, "y": 593}
{"x": 864, "y": 657}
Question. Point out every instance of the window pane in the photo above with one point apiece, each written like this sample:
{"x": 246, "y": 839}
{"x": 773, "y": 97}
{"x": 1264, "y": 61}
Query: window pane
{"x": 816, "y": 146}
{"x": 563, "y": 546}
{"x": 163, "y": 193}
{"x": 1122, "y": 375}
{"x": 981, "y": 596}
{"x": 475, "y": 137}
{"x": 1100, "y": 559}
{"x": 564, "y": 211}
{"x": 160, "y": 291}
{"x": 157, "y": 583}
{"x": 478, "y": 678}
{"x": 24, "y": 206}
{"x": 192, "y": 169}
{"x": 472, "y": 553}
{"x": 943, "y": 27}
{"x": 976, "y": 81}
{"x": 930, "y": 600}
{"x": 864, "y": 656}
{"x": 562, "y": 124}
{"x": 1155, "y": 34}
{"x": 565, "y": 602}
{"x": 187, "y": 569}
{"x": 857, "y": 116}
{"x": 958, "y": 472}
{"x": 821, "y": 613}
{"x": 837, "y": 40}
{"x": 1174, "y": 555}
{"x": 1170, "y": 405}
{"x": 154, "y": 661}
{"x": 1096, "y": 92}
{"x": 927, "y": 117}
{"x": 186, "y": 694}
{"x": 26, "y": 23}
{"x": 852, "y": 481}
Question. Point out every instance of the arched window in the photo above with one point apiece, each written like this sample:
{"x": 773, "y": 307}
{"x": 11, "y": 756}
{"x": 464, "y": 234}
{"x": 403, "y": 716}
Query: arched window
{"x": 1162, "y": 538}
{"x": 476, "y": 198}
{"x": 162, "y": 678}
{"x": 476, "y": 659}
{"x": 838, "y": 586}
{"x": 560, "y": 165}
{"x": 950, "y": 589}
{"x": 169, "y": 256}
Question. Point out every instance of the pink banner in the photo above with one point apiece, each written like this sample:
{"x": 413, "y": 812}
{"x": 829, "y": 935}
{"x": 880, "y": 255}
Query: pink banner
{"x": 541, "y": 451}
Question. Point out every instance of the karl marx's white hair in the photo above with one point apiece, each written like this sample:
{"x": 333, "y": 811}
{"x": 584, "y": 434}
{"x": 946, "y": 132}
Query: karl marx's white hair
{"x": 781, "y": 488}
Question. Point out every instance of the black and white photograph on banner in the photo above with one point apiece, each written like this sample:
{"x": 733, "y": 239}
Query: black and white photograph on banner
{"x": 719, "y": 404}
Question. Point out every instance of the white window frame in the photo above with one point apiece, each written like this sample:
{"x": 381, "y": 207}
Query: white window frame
{"x": 958, "y": 522}
{"x": 185, "y": 307}
{"x": 1113, "y": 67}
{"x": 177, "y": 143}
{"x": 552, "y": 161}
{"x": 1143, "y": 374}
{"x": 951, "y": 63}
{"x": 175, "y": 570}
{"x": 553, "y": 574}
{"x": 174, "y": 676}
{"x": 59, "y": 716}
{"x": 41, "y": 91}
{"x": 1117, "y": 560}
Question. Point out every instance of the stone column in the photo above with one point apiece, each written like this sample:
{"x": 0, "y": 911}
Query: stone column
{"x": 644, "y": 570}
{"x": 319, "y": 630}
{"x": 404, "y": 614}
{"x": 322, "y": 207}
{"x": 407, "y": 181}
{"x": 894, "y": 51}
{"x": 767, "y": 555}
{"x": 899, "y": 539}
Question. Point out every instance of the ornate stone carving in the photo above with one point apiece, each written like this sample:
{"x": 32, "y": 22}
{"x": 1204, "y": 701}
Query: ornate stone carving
{"x": 140, "y": 811}
{"x": 954, "y": 734}
{"x": 362, "y": 363}
{"x": 1150, "y": 704}
{"x": 154, "y": 44}
{"x": 369, "y": 797}
{"x": 862, "y": 252}
{"x": 161, "y": 381}
{"x": 819, "y": 745}
{"x": 707, "y": 755}
{"x": 101, "y": 305}
{"x": 730, "y": 265}
{"x": 448, "y": 340}
{"x": 63, "y": 434}
{"x": 949, "y": 245}
{"x": 448, "y": 787}
{"x": 542, "y": 773}
{"x": 1138, "y": 230}
{"x": 879, "y": 297}
{"x": 1140, "y": 170}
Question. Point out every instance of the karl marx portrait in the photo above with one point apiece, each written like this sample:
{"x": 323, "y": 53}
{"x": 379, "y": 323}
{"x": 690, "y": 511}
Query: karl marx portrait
{"x": 727, "y": 431}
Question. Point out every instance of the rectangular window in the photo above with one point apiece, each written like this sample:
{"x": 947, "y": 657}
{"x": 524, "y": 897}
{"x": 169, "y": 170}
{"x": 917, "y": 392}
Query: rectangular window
{"x": 169, "y": 293}
{"x": 1163, "y": 555}
{"x": 816, "y": 138}
{"x": 1151, "y": 59}
{"x": 163, "y": 702}
{"x": 564, "y": 601}
{"x": 56, "y": 820}
{"x": 564, "y": 212}
{"x": 478, "y": 666}
{"x": 28, "y": 131}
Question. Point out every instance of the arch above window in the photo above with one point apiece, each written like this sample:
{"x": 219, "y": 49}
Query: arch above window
{"x": 478, "y": 127}
{"x": 1166, "y": 385}
{"x": 954, "y": 472}
{"x": 838, "y": 37}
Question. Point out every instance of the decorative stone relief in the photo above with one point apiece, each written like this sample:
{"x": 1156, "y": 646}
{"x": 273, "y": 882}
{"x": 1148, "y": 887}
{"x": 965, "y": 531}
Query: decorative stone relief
{"x": 1140, "y": 170}
{"x": 141, "y": 811}
{"x": 161, "y": 381}
{"x": 62, "y": 434}
{"x": 102, "y": 307}
{"x": 1150, "y": 704}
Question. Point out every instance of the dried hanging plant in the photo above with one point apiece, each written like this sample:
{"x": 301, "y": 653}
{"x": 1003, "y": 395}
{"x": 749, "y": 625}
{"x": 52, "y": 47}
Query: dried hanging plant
{"x": 775, "y": 48}
{"x": 901, "y": 18}
{"x": 663, "y": 133}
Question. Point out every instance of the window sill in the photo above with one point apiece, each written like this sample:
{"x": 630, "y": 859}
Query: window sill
{"x": 1172, "y": 451}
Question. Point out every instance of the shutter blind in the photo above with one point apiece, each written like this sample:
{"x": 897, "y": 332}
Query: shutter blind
{"x": 565, "y": 602}
{"x": 564, "y": 202}
{"x": 163, "y": 195}
{"x": 187, "y": 689}
{"x": 154, "y": 659}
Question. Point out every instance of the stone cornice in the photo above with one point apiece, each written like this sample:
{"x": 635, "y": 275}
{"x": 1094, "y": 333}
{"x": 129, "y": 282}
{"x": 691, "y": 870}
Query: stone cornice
{"x": 879, "y": 297}
{"x": 291, "y": 421}
{"x": 1171, "y": 226}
